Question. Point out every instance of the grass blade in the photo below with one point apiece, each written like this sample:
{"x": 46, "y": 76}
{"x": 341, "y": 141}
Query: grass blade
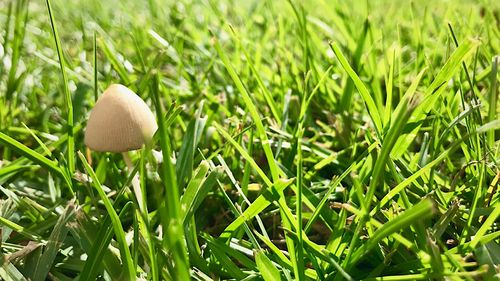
{"x": 184, "y": 166}
{"x": 67, "y": 94}
{"x": 401, "y": 116}
{"x": 424, "y": 209}
{"x": 370, "y": 103}
{"x": 56, "y": 239}
{"x": 492, "y": 100}
{"x": 270, "y": 195}
{"x": 117, "y": 226}
{"x": 261, "y": 132}
{"x": 34, "y": 156}
{"x": 266, "y": 267}
{"x": 117, "y": 66}
{"x": 433, "y": 92}
{"x": 196, "y": 190}
{"x": 98, "y": 250}
{"x": 171, "y": 208}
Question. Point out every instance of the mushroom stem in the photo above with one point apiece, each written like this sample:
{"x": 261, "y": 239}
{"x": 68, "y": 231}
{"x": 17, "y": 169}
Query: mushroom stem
{"x": 89, "y": 156}
{"x": 136, "y": 185}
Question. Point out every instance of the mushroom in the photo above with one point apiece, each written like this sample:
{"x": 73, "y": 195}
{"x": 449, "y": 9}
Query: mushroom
{"x": 120, "y": 122}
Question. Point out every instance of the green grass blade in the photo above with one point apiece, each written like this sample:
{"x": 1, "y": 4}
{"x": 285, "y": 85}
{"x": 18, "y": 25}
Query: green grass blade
{"x": 6, "y": 170}
{"x": 96, "y": 254}
{"x": 368, "y": 99}
{"x": 34, "y": 156}
{"x": 117, "y": 66}
{"x": 252, "y": 109}
{"x": 488, "y": 254}
{"x": 184, "y": 166}
{"x": 485, "y": 128}
{"x": 266, "y": 267}
{"x": 20, "y": 23}
{"x": 270, "y": 195}
{"x": 282, "y": 259}
{"x": 389, "y": 88}
{"x": 401, "y": 116}
{"x": 87, "y": 234}
{"x": 244, "y": 153}
{"x": 171, "y": 214}
{"x": 220, "y": 251}
{"x": 56, "y": 240}
{"x": 96, "y": 81}
{"x": 196, "y": 190}
{"x": 492, "y": 99}
{"x": 268, "y": 97}
{"x": 9, "y": 272}
{"x": 116, "y": 223}
{"x": 433, "y": 92}
{"x": 422, "y": 210}
{"x": 492, "y": 218}
{"x": 38, "y": 140}
{"x": 346, "y": 100}
{"x": 67, "y": 94}
{"x": 19, "y": 229}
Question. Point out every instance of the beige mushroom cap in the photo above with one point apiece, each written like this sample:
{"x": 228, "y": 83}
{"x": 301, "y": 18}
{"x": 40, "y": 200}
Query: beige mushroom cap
{"x": 120, "y": 121}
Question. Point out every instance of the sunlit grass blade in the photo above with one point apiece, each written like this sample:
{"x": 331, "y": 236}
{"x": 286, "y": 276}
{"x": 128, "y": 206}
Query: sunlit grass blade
{"x": 96, "y": 82}
{"x": 270, "y": 195}
{"x": 220, "y": 252}
{"x": 39, "y": 141}
{"x": 389, "y": 88}
{"x": 434, "y": 90}
{"x": 67, "y": 94}
{"x": 492, "y": 99}
{"x": 492, "y": 218}
{"x": 149, "y": 237}
{"x": 19, "y": 229}
{"x": 367, "y": 97}
{"x": 244, "y": 153}
{"x": 170, "y": 209}
{"x": 401, "y": 117}
{"x": 20, "y": 17}
{"x": 196, "y": 190}
{"x": 268, "y": 97}
{"x": 252, "y": 109}
{"x": 419, "y": 212}
{"x": 115, "y": 220}
{"x": 184, "y": 166}
{"x": 34, "y": 156}
{"x": 346, "y": 99}
{"x": 266, "y": 267}
{"x": 13, "y": 169}
{"x": 282, "y": 259}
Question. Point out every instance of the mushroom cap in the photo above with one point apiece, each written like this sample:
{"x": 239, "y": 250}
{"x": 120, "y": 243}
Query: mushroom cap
{"x": 120, "y": 121}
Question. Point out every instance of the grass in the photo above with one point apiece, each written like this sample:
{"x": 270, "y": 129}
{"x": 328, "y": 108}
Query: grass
{"x": 297, "y": 140}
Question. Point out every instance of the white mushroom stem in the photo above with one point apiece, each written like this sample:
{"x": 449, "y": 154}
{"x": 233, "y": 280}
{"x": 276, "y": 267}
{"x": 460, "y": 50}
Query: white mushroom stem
{"x": 136, "y": 184}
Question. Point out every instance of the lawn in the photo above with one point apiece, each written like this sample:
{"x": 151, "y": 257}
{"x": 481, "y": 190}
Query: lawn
{"x": 296, "y": 140}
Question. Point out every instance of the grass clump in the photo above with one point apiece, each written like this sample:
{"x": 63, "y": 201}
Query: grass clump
{"x": 296, "y": 141}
